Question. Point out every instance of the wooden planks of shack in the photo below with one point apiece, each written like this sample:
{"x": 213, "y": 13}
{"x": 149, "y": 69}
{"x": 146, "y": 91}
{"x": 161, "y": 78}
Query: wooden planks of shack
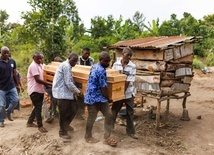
{"x": 164, "y": 67}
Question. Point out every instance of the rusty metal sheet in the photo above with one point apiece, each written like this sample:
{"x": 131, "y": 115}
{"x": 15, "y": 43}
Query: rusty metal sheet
{"x": 154, "y": 42}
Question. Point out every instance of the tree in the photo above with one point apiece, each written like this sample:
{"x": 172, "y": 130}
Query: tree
{"x": 138, "y": 20}
{"x": 170, "y": 27}
{"x": 48, "y": 23}
{"x": 152, "y": 29}
{"x": 3, "y": 18}
{"x": 189, "y": 26}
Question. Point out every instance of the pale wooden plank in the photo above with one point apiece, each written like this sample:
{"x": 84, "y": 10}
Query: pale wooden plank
{"x": 150, "y": 65}
{"x": 148, "y": 79}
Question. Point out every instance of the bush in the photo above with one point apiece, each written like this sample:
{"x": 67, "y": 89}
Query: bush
{"x": 210, "y": 59}
{"x": 197, "y": 64}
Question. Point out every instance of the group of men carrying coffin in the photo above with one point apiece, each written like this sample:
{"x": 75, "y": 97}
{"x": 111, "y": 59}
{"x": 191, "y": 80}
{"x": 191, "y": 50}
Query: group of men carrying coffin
{"x": 64, "y": 91}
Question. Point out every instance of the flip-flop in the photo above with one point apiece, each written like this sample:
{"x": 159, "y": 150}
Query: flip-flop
{"x": 110, "y": 142}
{"x": 91, "y": 140}
{"x": 42, "y": 129}
{"x": 31, "y": 125}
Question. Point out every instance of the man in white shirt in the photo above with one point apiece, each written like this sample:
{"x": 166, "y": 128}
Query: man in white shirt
{"x": 125, "y": 66}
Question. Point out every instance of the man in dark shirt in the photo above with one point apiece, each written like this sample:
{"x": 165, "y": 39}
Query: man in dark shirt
{"x": 8, "y": 89}
{"x": 85, "y": 60}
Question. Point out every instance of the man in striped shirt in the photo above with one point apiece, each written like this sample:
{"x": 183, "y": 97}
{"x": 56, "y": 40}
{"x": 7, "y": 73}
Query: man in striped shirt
{"x": 125, "y": 66}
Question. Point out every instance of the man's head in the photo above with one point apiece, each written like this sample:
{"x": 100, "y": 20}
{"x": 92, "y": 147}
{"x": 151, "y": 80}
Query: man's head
{"x": 5, "y": 52}
{"x": 104, "y": 59}
{"x": 126, "y": 54}
{"x": 38, "y": 57}
{"x": 43, "y": 58}
{"x": 73, "y": 58}
{"x": 85, "y": 53}
{"x": 58, "y": 59}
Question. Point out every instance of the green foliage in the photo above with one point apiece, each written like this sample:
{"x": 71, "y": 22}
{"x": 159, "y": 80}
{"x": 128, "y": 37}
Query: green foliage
{"x": 95, "y": 56}
{"x": 22, "y": 54}
{"x": 48, "y": 23}
{"x": 197, "y": 64}
{"x": 170, "y": 27}
{"x": 210, "y": 59}
{"x": 55, "y": 28}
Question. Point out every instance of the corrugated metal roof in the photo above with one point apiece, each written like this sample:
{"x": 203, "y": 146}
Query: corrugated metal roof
{"x": 153, "y": 42}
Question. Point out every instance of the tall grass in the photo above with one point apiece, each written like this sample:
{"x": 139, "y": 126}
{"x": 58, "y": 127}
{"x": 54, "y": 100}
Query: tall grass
{"x": 197, "y": 64}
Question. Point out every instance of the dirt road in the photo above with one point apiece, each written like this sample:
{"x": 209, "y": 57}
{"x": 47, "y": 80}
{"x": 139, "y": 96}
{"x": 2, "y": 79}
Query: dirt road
{"x": 194, "y": 137}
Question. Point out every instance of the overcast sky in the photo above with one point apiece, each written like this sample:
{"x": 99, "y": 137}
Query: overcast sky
{"x": 152, "y": 9}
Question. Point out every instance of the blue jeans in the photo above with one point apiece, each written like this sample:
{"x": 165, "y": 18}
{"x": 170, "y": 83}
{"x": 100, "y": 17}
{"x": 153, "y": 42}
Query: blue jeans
{"x": 13, "y": 98}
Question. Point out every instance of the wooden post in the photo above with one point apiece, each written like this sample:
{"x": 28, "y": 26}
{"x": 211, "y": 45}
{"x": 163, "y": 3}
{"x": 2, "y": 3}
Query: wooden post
{"x": 158, "y": 114}
{"x": 167, "y": 111}
{"x": 184, "y": 101}
{"x": 142, "y": 101}
{"x": 185, "y": 114}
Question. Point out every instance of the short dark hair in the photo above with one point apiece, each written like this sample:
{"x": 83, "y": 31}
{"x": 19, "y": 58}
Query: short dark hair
{"x": 103, "y": 55}
{"x": 36, "y": 53}
{"x": 58, "y": 59}
{"x": 71, "y": 55}
{"x": 127, "y": 49}
{"x": 85, "y": 49}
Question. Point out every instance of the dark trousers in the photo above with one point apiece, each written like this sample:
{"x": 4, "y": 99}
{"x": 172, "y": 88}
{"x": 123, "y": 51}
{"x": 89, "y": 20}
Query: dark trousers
{"x": 37, "y": 99}
{"x": 130, "y": 129}
{"x": 81, "y": 107}
{"x": 67, "y": 112}
{"x": 92, "y": 114}
{"x": 53, "y": 104}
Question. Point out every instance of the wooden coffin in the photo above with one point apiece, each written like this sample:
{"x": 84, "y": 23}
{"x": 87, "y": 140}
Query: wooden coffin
{"x": 116, "y": 81}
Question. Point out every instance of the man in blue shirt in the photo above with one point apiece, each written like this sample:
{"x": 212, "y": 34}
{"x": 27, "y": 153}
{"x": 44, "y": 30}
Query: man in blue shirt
{"x": 97, "y": 99}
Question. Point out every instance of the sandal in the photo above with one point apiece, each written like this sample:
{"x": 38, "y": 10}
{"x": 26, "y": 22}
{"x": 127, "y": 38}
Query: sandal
{"x": 110, "y": 142}
{"x": 31, "y": 125}
{"x": 42, "y": 129}
{"x": 91, "y": 140}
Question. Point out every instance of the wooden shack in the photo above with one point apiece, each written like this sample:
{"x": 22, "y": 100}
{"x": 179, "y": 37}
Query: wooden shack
{"x": 116, "y": 81}
{"x": 164, "y": 68}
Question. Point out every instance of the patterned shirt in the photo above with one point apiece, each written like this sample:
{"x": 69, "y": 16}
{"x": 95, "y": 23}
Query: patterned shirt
{"x": 63, "y": 83}
{"x": 130, "y": 71}
{"x": 88, "y": 62}
{"x": 96, "y": 81}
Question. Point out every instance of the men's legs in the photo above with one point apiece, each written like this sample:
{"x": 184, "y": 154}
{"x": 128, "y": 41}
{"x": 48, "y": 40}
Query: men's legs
{"x": 45, "y": 111}
{"x": 37, "y": 99}
{"x": 130, "y": 128}
{"x": 105, "y": 109}
{"x": 13, "y": 97}
{"x": 32, "y": 116}
{"x": 2, "y": 107}
{"x": 52, "y": 108}
{"x": 73, "y": 111}
{"x": 116, "y": 106}
{"x": 64, "y": 110}
{"x": 92, "y": 114}
{"x": 81, "y": 108}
